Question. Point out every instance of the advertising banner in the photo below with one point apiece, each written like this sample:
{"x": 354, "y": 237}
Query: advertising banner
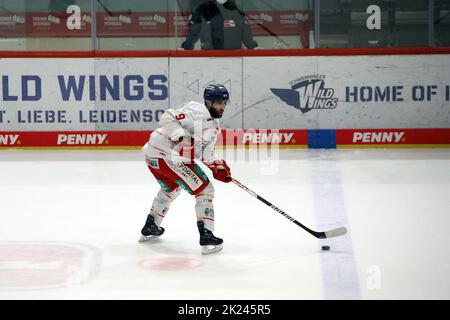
{"x": 286, "y": 138}
{"x": 347, "y": 92}
{"x": 83, "y": 94}
{"x": 142, "y": 24}
{"x": 322, "y": 101}
{"x": 136, "y": 139}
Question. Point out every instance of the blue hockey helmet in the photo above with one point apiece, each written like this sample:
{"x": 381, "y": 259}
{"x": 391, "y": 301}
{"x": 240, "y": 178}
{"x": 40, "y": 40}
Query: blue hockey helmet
{"x": 216, "y": 92}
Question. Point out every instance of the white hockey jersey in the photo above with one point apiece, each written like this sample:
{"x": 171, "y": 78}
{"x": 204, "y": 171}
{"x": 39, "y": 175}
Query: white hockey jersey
{"x": 192, "y": 120}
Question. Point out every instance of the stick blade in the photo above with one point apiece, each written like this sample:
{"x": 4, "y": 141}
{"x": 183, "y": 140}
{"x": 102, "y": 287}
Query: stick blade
{"x": 336, "y": 232}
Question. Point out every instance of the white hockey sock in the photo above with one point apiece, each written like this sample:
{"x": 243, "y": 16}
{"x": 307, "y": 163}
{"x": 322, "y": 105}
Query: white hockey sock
{"x": 204, "y": 207}
{"x": 161, "y": 204}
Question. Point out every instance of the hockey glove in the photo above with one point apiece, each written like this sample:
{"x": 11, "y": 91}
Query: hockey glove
{"x": 220, "y": 170}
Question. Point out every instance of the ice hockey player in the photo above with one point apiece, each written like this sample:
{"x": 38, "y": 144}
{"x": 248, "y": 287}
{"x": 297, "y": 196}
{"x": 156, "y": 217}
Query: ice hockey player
{"x": 185, "y": 135}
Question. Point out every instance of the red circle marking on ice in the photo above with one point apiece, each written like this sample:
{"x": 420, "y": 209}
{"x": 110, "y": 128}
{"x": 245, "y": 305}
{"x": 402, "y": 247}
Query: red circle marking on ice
{"x": 38, "y": 265}
{"x": 170, "y": 263}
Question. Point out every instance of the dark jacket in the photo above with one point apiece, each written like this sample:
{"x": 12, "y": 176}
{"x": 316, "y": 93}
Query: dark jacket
{"x": 219, "y": 27}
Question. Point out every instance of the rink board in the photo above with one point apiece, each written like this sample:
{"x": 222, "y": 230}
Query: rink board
{"x": 346, "y": 138}
{"x": 111, "y": 100}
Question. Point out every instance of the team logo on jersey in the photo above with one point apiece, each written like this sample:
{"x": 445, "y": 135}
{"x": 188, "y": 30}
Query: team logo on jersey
{"x": 229, "y": 24}
{"x": 308, "y": 93}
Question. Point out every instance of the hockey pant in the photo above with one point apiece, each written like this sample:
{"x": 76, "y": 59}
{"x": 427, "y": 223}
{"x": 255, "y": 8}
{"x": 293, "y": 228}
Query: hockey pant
{"x": 174, "y": 176}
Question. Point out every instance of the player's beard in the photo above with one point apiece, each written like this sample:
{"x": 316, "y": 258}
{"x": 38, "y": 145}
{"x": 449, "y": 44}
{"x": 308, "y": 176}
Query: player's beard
{"x": 214, "y": 113}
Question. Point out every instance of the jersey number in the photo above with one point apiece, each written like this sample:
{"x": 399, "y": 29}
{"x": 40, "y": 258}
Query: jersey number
{"x": 180, "y": 116}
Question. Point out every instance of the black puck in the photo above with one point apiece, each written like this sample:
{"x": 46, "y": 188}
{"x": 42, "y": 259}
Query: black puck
{"x": 325, "y": 248}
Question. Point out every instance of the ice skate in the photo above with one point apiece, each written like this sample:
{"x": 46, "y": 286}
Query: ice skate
{"x": 208, "y": 242}
{"x": 150, "y": 230}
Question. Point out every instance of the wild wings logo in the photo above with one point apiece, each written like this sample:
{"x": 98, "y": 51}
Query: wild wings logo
{"x": 308, "y": 93}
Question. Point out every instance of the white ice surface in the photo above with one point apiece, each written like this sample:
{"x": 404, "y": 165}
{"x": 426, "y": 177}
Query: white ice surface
{"x": 395, "y": 204}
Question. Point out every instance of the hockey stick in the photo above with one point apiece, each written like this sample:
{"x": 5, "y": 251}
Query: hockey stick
{"x": 6, "y": 10}
{"x": 273, "y": 34}
{"x": 109, "y": 12}
{"x": 321, "y": 235}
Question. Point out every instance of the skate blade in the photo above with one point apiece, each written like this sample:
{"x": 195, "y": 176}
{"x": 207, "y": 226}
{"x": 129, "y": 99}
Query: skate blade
{"x": 147, "y": 238}
{"x": 211, "y": 249}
